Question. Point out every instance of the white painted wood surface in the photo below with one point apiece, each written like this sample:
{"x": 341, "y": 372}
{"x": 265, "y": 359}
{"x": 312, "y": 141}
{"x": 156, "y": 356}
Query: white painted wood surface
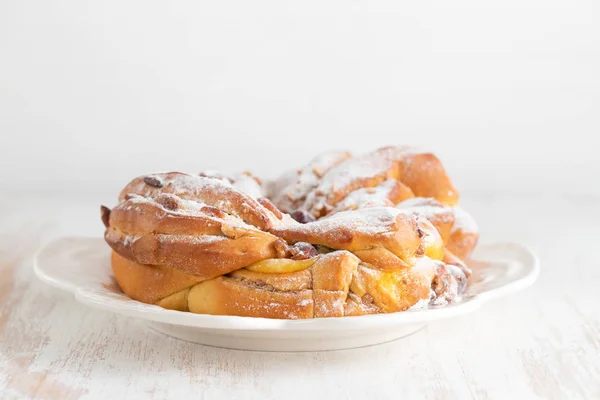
{"x": 541, "y": 343}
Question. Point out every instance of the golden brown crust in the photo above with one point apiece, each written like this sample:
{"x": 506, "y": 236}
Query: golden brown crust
{"x": 206, "y": 256}
{"x": 284, "y": 282}
{"x": 332, "y": 275}
{"x": 394, "y": 291}
{"x": 451, "y": 259}
{"x": 334, "y": 271}
{"x": 177, "y": 301}
{"x": 387, "y": 194}
{"x": 426, "y": 176}
{"x": 227, "y": 296}
{"x": 456, "y": 227}
{"x": 149, "y": 283}
{"x": 462, "y": 244}
{"x": 328, "y": 303}
{"x": 441, "y": 216}
{"x": 359, "y": 305}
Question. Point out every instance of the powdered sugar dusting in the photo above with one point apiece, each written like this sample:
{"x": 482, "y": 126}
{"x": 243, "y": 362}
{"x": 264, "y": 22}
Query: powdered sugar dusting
{"x": 324, "y": 162}
{"x": 323, "y": 308}
{"x": 428, "y": 208}
{"x": 368, "y": 197}
{"x": 338, "y": 304}
{"x": 248, "y": 185}
{"x": 370, "y": 221}
{"x": 199, "y": 239}
{"x": 304, "y": 302}
{"x": 213, "y": 173}
{"x": 463, "y": 222}
{"x": 190, "y": 206}
{"x": 420, "y": 305}
{"x": 274, "y": 307}
{"x": 185, "y": 185}
{"x": 363, "y": 166}
{"x": 129, "y": 240}
{"x": 425, "y": 202}
{"x": 244, "y": 181}
{"x": 187, "y": 207}
{"x": 294, "y": 186}
{"x": 185, "y": 189}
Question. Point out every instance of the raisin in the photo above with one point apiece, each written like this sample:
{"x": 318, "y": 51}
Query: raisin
{"x": 169, "y": 202}
{"x": 153, "y": 181}
{"x": 302, "y": 216}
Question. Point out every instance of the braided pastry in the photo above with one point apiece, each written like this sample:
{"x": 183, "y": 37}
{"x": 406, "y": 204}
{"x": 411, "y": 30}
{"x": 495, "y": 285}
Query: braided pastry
{"x": 213, "y": 244}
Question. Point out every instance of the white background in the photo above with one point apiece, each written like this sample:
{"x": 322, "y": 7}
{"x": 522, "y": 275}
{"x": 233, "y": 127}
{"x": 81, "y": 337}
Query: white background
{"x": 97, "y": 92}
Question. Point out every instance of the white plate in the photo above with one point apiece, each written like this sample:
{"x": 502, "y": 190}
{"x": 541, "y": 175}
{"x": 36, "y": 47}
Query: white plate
{"x": 81, "y": 266}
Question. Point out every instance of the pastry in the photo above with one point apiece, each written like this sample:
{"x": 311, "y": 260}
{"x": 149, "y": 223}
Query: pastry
{"x": 322, "y": 241}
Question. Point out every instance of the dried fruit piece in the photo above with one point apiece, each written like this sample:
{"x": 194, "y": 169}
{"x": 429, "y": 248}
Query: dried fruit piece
{"x": 153, "y": 181}
{"x": 302, "y": 216}
{"x": 169, "y": 201}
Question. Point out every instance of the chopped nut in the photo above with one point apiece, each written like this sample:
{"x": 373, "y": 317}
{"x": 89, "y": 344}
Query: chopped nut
{"x": 303, "y": 251}
{"x": 281, "y": 247}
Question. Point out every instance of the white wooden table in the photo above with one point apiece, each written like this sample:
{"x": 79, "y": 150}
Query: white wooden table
{"x": 540, "y": 343}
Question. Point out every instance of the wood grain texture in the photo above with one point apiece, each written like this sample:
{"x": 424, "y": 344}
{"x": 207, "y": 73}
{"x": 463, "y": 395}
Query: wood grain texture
{"x": 541, "y": 343}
